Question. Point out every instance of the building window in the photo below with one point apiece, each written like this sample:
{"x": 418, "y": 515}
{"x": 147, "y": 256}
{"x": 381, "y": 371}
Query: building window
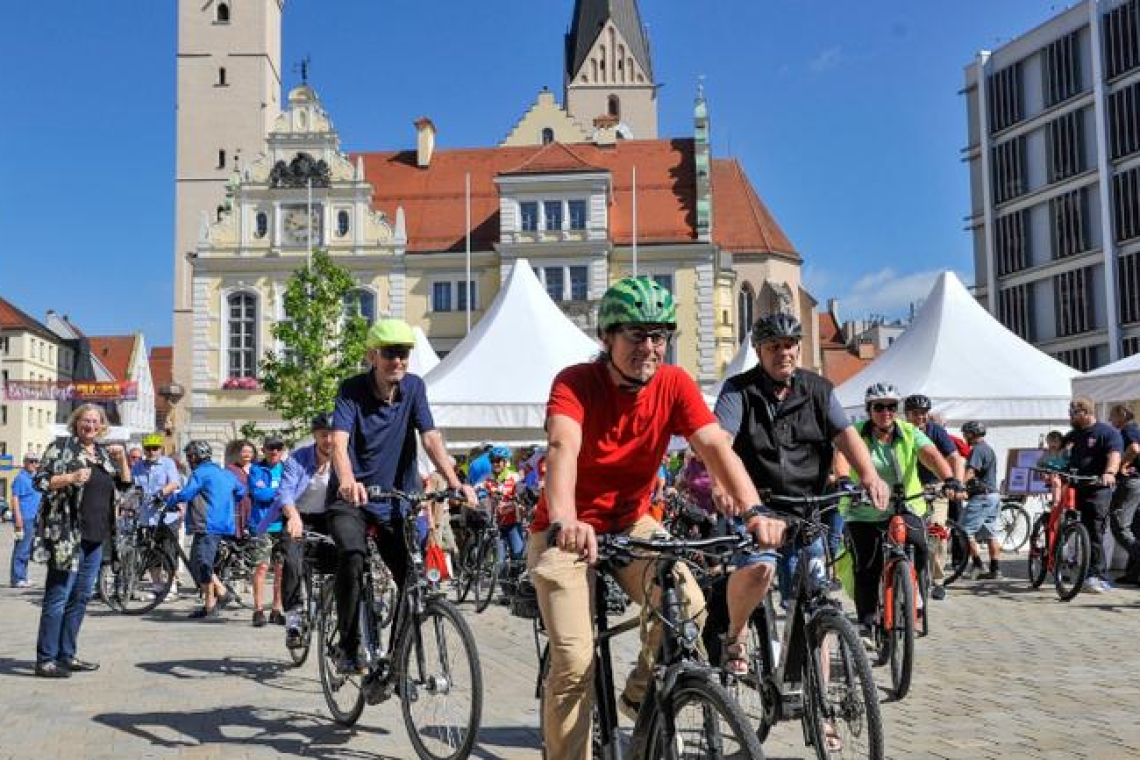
{"x": 221, "y": 159}
{"x": 1015, "y": 310}
{"x": 1124, "y": 121}
{"x": 579, "y": 283}
{"x": 547, "y": 135}
{"x": 441, "y": 296}
{"x": 613, "y": 106}
{"x": 1082, "y": 359}
{"x": 223, "y": 13}
{"x": 745, "y": 311}
{"x": 1128, "y": 287}
{"x": 1010, "y": 242}
{"x": 554, "y": 280}
{"x": 362, "y": 303}
{"x": 221, "y": 76}
{"x": 1008, "y": 169}
{"x": 261, "y": 225}
{"x": 242, "y": 340}
{"x": 1066, "y": 146}
{"x": 1129, "y": 347}
{"x": 552, "y": 211}
{"x": 577, "y": 211}
{"x": 3, "y": 415}
{"x": 4, "y": 345}
{"x": 1006, "y": 105}
{"x": 1070, "y": 229}
{"x": 463, "y": 292}
{"x": 1073, "y": 302}
{"x": 528, "y": 214}
{"x": 1126, "y": 204}
{"x": 1061, "y": 64}
{"x": 342, "y": 223}
{"x": 1121, "y": 39}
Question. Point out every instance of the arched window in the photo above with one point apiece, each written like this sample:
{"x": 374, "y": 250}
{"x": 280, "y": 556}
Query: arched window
{"x": 359, "y": 301}
{"x": 241, "y": 335}
{"x": 221, "y": 159}
{"x": 745, "y": 311}
{"x": 261, "y": 225}
{"x": 613, "y": 106}
{"x": 222, "y": 76}
{"x": 223, "y": 16}
{"x": 341, "y": 223}
{"x": 547, "y": 135}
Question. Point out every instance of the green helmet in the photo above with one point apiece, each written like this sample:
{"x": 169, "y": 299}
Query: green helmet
{"x": 153, "y": 439}
{"x": 636, "y": 300}
{"x": 390, "y": 332}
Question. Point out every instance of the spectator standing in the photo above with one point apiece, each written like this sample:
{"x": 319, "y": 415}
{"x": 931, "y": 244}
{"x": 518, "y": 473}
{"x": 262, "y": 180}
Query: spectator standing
{"x": 1095, "y": 450}
{"x": 25, "y": 507}
{"x": 1124, "y": 515}
{"x": 979, "y": 520}
{"x": 265, "y": 527}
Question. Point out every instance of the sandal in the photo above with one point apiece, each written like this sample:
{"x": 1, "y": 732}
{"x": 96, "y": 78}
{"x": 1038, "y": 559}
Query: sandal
{"x": 734, "y": 661}
{"x": 831, "y": 738}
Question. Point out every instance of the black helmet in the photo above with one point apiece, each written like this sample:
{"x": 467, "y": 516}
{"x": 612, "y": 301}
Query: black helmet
{"x": 323, "y": 421}
{"x": 199, "y": 450}
{"x": 974, "y": 428}
{"x": 775, "y": 326}
{"x": 917, "y": 403}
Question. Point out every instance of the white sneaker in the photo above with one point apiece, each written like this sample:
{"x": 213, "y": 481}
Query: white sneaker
{"x": 1092, "y": 586}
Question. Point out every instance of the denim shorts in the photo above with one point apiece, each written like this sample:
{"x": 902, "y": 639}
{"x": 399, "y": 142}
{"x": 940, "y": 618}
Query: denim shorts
{"x": 203, "y": 551}
{"x": 980, "y": 516}
{"x": 745, "y": 558}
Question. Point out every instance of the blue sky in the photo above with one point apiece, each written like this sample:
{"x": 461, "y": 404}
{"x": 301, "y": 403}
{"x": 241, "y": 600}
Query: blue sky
{"x": 846, "y": 116}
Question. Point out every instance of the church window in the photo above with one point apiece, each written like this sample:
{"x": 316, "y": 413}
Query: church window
{"x": 745, "y": 304}
{"x": 547, "y": 135}
{"x": 221, "y": 76}
{"x": 342, "y": 223}
{"x": 222, "y": 159}
{"x": 602, "y": 61}
{"x": 261, "y": 224}
{"x": 241, "y": 339}
{"x": 223, "y": 14}
{"x": 613, "y": 106}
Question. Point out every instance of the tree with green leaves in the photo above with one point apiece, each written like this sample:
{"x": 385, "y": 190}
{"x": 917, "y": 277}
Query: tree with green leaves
{"x": 323, "y": 338}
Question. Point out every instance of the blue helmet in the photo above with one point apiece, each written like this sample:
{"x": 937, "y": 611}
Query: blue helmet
{"x": 500, "y": 452}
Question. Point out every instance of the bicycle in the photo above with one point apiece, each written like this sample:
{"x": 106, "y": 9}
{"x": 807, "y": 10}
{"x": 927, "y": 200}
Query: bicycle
{"x": 234, "y": 564}
{"x": 686, "y": 712}
{"x": 431, "y": 660}
{"x": 141, "y": 551}
{"x": 1059, "y": 543}
{"x": 315, "y": 577}
{"x": 816, "y": 671}
{"x": 1013, "y": 525}
{"x": 480, "y": 560}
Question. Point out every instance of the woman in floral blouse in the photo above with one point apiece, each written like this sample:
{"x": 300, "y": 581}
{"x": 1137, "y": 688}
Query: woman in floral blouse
{"x": 79, "y": 477}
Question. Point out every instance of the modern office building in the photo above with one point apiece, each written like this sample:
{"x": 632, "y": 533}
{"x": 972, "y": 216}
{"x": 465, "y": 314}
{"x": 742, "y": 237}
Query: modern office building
{"x": 1054, "y": 157}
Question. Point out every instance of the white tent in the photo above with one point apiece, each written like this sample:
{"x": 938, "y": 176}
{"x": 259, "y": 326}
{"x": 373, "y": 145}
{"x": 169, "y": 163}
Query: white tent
{"x": 744, "y": 360}
{"x": 423, "y": 358}
{"x": 1116, "y": 382}
{"x": 495, "y": 384}
{"x": 972, "y": 368}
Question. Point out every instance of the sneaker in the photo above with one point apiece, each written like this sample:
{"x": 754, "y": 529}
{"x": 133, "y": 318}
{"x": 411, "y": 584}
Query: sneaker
{"x": 938, "y": 593}
{"x": 1105, "y": 584}
{"x": 277, "y": 617}
{"x": 202, "y": 613}
{"x": 227, "y": 600}
{"x": 259, "y": 618}
{"x": 293, "y": 638}
{"x": 1092, "y": 586}
{"x": 990, "y": 575}
{"x": 975, "y": 572}
{"x": 23, "y": 584}
{"x": 629, "y": 708}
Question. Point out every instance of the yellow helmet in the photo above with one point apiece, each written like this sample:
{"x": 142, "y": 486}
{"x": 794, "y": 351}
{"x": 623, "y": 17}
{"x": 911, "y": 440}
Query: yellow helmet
{"x": 390, "y": 332}
{"x": 153, "y": 439}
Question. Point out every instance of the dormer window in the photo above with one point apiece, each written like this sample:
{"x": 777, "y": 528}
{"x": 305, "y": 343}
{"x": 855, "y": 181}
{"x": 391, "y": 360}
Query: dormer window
{"x": 547, "y": 135}
{"x": 223, "y": 13}
{"x": 342, "y": 223}
{"x": 261, "y": 225}
{"x": 613, "y": 106}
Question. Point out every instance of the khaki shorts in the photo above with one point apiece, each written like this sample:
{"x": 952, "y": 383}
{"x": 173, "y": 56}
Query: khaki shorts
{"x": 266, "y": 549}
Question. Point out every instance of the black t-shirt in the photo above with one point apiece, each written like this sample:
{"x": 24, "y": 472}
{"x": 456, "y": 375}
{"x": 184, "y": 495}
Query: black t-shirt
{"x": 96, "y": 510}
{"x": 1091, "y": 447}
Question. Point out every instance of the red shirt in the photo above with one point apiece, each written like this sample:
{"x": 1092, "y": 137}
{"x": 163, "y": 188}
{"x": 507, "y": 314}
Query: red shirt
{"x": 624, "y": 436}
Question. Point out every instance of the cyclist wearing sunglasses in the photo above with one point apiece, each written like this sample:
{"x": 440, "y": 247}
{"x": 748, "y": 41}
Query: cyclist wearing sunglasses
{"x": 608, "y": 423}
{"x": 375, "y": 420}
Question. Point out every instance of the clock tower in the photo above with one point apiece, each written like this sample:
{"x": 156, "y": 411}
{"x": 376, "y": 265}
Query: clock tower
{"x": 229, "y": 95}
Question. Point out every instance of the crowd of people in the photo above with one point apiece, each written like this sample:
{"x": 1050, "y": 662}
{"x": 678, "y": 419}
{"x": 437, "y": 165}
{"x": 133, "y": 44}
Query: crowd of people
{"x": 605, "y": 469}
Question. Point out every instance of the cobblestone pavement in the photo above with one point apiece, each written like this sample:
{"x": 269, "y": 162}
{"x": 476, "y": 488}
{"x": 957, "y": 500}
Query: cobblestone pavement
{"x": 1007, "y": 672}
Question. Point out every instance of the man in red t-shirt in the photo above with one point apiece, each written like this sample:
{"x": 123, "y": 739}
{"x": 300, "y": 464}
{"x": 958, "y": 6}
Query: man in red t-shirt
{"x": 608, "y": 423}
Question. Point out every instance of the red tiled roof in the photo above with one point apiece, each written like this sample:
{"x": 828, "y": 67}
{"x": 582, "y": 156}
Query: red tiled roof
{"x": 840, "y": 365}
{"x": 114, "y": 353}
{"x": 829, "y": 331}
{"x": 14, "y": 318}
{"x": 433, "y": 197}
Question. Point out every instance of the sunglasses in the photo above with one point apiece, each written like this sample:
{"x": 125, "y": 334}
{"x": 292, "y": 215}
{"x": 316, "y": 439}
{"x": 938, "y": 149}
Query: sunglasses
{"x": 638, "y": 335}
{"x": 152, "y": 448}
{"x": 884, "y": 407}
{"x": 395, "y": 352}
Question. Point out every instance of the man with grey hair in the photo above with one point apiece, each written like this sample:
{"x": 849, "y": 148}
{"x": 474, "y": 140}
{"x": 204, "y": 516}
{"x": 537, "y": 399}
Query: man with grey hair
{"x": 1124, "y": 519}
{"x": 1095, "y": 451}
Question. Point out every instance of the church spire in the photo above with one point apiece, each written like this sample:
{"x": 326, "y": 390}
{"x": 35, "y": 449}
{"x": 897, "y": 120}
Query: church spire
{"x": 590, "y": 17}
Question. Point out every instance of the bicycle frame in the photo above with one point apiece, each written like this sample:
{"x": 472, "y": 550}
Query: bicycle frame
{"x": 896, "y": 548}
{"x": 1065, "y": 510}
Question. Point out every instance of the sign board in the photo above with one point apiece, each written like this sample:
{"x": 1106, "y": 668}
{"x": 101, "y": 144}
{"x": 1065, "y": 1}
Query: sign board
{"x": 63, "y": 390}
{"x": 1020, "y": 480}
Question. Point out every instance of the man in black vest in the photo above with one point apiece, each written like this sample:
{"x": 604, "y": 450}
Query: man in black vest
{"x": 786, "y": 423}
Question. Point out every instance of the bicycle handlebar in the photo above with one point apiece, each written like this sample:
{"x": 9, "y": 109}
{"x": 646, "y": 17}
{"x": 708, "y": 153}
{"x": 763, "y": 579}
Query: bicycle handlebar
{"x": 614, "y": 546}
{"x": 1069, "y": 477}
{"x": 378, "y": 493}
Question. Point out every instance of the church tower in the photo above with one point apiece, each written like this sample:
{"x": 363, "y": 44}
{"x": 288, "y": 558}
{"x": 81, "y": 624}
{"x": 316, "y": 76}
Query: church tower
{"x": 229, "y": 95}
{"x": 608, "y": 69}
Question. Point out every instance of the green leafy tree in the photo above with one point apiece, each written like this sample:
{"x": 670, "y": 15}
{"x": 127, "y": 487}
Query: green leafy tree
{"x": 323, "y": 343}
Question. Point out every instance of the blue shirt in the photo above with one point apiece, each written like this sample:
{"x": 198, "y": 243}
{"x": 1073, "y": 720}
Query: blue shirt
{"x": 945, "y": 445}
{"x": 381, "y": 436}
{"x": 29, "y": 497}
{"x": 152, "y": 477}
{"x": 479, "y": 469}
{"x": 983, "y": 461}
{"x": 264, "y": 480}
{"x": 1091, "y": 447}
{"x": 211, "y": 493}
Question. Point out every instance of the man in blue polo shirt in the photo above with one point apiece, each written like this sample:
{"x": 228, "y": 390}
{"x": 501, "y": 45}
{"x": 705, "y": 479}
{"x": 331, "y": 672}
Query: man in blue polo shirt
{"x": 1124, "y": 516}
{"x": 25, "y": 507}
{"x": 375, "y": 421}
{"x": 1096, "y": 449}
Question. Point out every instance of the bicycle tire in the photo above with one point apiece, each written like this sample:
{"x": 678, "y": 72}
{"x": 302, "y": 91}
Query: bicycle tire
{"x": 465, "y": 570}
{"x": 150, "y": 560}
{"x": 105, "y": 587}
{"x": 721, "y": 721}
{"x": 849, "y": 679}
{"x": 298, "y": 654}
{"x": 488, "y": 564}
{"x": 923, "y": 601}
{"x": 1037, "y": 553}
{"x": 901, "y": 635}
{"x": 332, "y": 682}
{"x": 384, "y": 591}
{"x": 958, "y": 551}
{"x": 430, "y": 665}
{"x": 1071, "y": 563}
{"x": 749, "y": 690}
{"x": 1013, "y": 526}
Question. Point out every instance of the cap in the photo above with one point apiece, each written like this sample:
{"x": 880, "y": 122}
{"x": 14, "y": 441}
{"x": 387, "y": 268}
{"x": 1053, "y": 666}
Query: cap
{"x": 274, "y": 442}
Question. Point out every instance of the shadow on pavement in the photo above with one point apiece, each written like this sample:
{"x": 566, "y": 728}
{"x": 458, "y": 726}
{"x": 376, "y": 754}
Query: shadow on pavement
{"x": 289, "y": 733}
{"x": 13, "y": 667}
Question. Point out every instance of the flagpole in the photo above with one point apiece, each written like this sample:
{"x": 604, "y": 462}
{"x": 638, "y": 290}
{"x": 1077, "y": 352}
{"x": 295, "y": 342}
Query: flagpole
{"x": 467, "y": 282}
{"x": 309, "y": 223}
{"x": 635, "y": 221}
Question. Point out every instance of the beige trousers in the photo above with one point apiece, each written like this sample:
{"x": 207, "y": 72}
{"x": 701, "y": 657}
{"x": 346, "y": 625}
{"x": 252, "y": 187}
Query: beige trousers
{"x": 941, "y": 510}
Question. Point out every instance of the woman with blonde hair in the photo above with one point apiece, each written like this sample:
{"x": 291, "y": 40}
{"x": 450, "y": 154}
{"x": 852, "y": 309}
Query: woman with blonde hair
{"x": 79, "y": 477}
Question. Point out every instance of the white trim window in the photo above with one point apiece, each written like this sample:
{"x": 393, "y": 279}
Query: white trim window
{"x": 450, "y": 295}
{"x": 554, "y": 215}
{"x": 241, "y": 334}
{"x": 568, "y": 282}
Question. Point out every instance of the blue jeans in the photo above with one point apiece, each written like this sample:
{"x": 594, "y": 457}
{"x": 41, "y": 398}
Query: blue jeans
{"x": 65, "y": 603}
{"x": 22, "y": 552}
{"x": 790, "y": 560}
{"x": 512, "y": 539}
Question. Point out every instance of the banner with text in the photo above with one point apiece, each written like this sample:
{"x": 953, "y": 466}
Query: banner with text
{"x": 63, "y": 390}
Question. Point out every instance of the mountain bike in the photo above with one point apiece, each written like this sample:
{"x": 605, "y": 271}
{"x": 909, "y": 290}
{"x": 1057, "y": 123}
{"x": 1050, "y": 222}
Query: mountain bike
{"x": 686, "y": 712}
{"x": 235, "y": 563}
{"x": 145, "y": 560}
{"x": 480, "y": 560}
{"x": 816, "y": 671}
{"x": 430, "y": 661}
{"x": 1059, "y": 543}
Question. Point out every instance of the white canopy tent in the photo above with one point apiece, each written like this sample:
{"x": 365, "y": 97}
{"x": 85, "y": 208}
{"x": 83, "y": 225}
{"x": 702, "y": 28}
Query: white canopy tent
{"x": 744, "y": 360}
{"x": 495, "y": 384}
{"x": 972, "y": 368}
{"x": 1112, "y": 383}
{"x": 423, "y": 358}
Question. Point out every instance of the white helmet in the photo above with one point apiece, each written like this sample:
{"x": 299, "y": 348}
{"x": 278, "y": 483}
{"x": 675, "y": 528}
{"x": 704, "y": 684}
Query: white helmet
{"x": 881, "y": 392}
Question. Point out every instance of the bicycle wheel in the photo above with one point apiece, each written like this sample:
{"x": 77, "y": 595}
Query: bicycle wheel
{"x": 841, "y": 702}
{"x": 486, "y": 576}
{"x": 137, "y": 589}
{"x": 1013, "y": 526}
{"x": 298, "y": 654}
{"x": 105, "y": 586}
{"x": 440, "y": 684}
{"x": 384, "y": 592}
{"x": 1071, "y": 556}
{"x": 465, "y": 570}
{"x": 901, "y": 633}
{"x": 1038, "y": 550}
{"x": 706, "y": 723}
{"x": 958, "y": 550}
{"x": 923, "y": 601}
{"x": 344, "y": 694}
{"x": 761, "y": 709}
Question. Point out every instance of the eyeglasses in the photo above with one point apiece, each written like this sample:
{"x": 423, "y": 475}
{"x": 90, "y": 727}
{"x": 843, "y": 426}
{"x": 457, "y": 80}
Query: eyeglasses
{"x": 884, "y": 407}
{"x": 1076, "y": 410}
{"x": 495, "y": 460}
{"x": 153, "y": 448}
{"x": 637, "y": 335}
{"x": 395, "y": 352}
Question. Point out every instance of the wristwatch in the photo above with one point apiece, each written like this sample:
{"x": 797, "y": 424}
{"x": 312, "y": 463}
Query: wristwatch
{"x": 759, "y": 510}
